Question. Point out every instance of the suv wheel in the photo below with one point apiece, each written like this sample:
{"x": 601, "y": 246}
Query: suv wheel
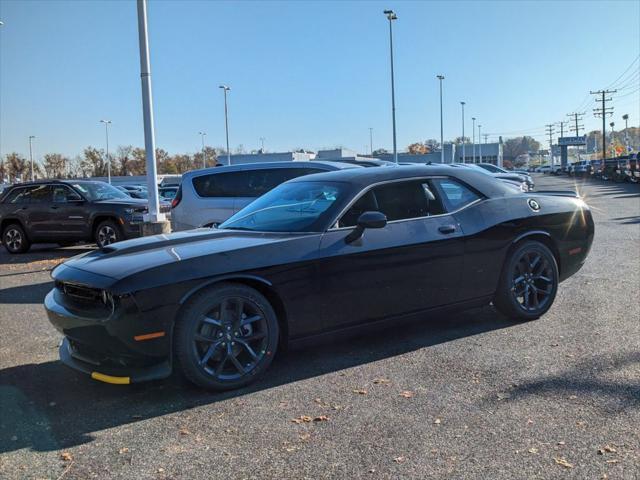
{"x": 108, "y": 232}
{"x": 14, "y": 239}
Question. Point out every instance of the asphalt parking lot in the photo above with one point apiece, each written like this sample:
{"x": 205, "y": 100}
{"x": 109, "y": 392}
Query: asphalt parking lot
{"x": 470, "y": 395}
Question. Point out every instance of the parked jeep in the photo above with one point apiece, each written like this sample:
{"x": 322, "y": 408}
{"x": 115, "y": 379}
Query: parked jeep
{"x": 66, "y": 212}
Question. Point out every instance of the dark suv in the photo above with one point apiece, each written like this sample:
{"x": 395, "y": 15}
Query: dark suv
{"x": 66, "y": 212}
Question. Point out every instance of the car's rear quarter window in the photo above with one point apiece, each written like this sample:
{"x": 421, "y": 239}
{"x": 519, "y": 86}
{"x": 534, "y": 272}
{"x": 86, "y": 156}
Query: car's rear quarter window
{"x": 246, "y": 183}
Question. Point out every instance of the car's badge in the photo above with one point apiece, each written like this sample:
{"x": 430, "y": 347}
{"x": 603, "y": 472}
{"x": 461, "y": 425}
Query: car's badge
{"x": 535, "y": 206}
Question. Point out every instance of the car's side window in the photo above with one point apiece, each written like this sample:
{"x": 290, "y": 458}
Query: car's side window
{"x": 231, "y": 184}
{"x": 398, "y": 201}
{"x": 18, "y": 196}
{"x": 39, "y": 195}
{"x": 63, "y": 194}
{"x": 455, "y": 194}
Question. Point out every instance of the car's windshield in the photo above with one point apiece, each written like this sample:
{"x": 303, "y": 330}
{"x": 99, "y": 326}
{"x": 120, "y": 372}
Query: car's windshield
{"x": 100, "y": 191}
{"x": 290, "y": 207}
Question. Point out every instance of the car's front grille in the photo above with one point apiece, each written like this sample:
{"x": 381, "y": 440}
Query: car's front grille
{"x": 81, "y": 293}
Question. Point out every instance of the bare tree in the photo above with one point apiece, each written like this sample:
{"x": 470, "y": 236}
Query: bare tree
{"x": 17, "y": 167}
{"x": 55, "y": 165}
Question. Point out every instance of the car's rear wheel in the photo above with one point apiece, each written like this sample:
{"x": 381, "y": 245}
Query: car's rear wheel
{"x": 226, "y": 337}
{"x": 528, "y": 283}
{"x": 15, "y": 239}
{"x": 107, "y": 232}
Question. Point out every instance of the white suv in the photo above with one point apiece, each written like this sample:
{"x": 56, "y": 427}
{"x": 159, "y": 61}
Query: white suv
{"x": 209, "y": 196}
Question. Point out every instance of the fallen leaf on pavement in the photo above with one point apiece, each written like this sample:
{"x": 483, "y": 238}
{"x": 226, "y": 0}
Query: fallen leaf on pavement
{"x": 184, "y": 431}
{"x": 533, "y": 450}
{"x": 321, "y": 418}
{"x": 123, "y": 450}
{"x": 302, "y": 418}
{"x": 305, "y": 436}
{"x": 606, "y": 449}
{"x": 437, "y": 421}
{"x": 562, "y": 461}
{"x": 399, "y": 459}
{"x": 381, "y": 381}
{"x": 66, "y": 456}
{"x": 360, "y": 392}
{"x": 407, "y": 394}
{"x": 612, "y": 461}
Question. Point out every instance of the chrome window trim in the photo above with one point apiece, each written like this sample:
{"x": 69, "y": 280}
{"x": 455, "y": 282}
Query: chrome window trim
{"x": 396, "y": 180}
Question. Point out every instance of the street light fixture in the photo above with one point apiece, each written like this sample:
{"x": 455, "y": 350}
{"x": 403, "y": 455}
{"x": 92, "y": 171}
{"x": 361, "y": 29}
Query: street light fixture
{"x": 106, "y": 131}
{"x": 464, "y": 157}
{"x": 391, "y": 16}
{"x": 441, "y": 77}
{"x": 204, "y": 159}
{"x": 226, "y": 121}
{"x": 625, "y": 117}
{"x": 31, "y": 137}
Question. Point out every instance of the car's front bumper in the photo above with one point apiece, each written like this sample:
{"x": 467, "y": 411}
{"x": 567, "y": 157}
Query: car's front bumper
{"x": 124, "y": 346}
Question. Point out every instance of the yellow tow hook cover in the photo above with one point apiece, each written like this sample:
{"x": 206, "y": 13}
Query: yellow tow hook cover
{"x": 110, "y": 379}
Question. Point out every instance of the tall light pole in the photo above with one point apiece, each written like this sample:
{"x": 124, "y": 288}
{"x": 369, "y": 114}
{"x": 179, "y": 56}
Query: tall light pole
{"x": 370, "y": 140}
{"x": 440, "y": 78}
{"x": 154, "y": 214}
{"x": 612, "y": 141}
{"x": 473, "y": 128}
{"x": 225, "y": 89}
{"x": 391, "y": 16}
{"x": 480, "y": 141}
{"x": 31, "y": 137}
{"x": 464, "y": 157}
{"x": 106, "y": 132}
{"x": 262, "y": 139}
{"x": 204, "y": 159}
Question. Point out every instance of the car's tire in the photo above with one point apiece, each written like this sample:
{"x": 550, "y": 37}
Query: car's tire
{"x": 107, "y": 232}
{"x": 225, "y": 337}
{"x": 15, "y": 239}
{"x": 528, "y": 283}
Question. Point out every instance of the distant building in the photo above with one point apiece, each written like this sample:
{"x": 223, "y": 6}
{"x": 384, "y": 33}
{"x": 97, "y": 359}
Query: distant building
{"x": 433, "y": 157}
{"x": 491, "y": 153}
{"x": 260, "y": 157}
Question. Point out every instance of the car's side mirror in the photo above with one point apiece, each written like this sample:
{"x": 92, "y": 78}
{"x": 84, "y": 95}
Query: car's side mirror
{"x": 367, "y": 220}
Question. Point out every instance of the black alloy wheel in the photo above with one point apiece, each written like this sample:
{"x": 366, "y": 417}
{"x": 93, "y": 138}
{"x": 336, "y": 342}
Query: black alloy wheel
{"x": 15, "y": 239}
{"x": 226, "y": 337}
{"x": 107, "y": 233}
{"x": 529, "y": 282}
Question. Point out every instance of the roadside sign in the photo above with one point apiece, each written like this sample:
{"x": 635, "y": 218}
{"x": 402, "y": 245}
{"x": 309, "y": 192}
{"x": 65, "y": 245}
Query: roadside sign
{"x": 566, "y": 141}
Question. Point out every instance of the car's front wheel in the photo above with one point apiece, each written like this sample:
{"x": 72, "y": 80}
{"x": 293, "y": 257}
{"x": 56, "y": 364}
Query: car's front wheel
{"x": 528, "y": 283}
{"x": 226, "y": 337}
{"x": 15, "y": 239}
{"x": 107, "y": 232}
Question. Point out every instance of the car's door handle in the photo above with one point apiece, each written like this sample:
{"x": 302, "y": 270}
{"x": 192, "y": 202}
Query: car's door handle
{"x": 53, "y": 207}
{"x": 447, "y": 229}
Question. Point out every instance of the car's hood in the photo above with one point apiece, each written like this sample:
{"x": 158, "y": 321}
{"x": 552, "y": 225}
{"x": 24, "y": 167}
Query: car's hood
{"x": 511, "y": 176}
{"x": 202, "y": 246}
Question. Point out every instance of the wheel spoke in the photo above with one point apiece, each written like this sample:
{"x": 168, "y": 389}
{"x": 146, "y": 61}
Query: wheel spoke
{"x": 221, "y": 365}
{"x": 204, "y": 339}
{"x": 237, "y": 364}
{"x": 518, "y": 280}
{"x": 255, "y": 336}
{"x": 223, "y": 310}
{"x": 543, "y": 278}
{"x": 237, "y": 321}
{"x": 253, "y": 354}
{"x": 212, "y": 321}
{"x": 248, "y": 320}
{"x": 536, "y": 302}
{"x": 533, "y": 264}
{"x": 210, "y": 351}
{"x": 527, "y": 293}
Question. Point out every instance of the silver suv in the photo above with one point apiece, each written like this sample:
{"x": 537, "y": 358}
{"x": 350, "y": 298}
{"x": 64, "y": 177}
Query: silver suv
{"x": 211, "y": 195}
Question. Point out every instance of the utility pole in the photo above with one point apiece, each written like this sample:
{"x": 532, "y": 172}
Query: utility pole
{"x": 612, "y": 140}
{"x": 550, "y": 132}
{"x": 440, "y": 78}
{"x": 391, "y": 16}
{"x": 603, "y": 111}
{"x": 486, "y": 136}
{"x": 31, "y": 137}
{"x": 371, "y": 141}
{"x": 561, "y": 123}
{"x": 625, "y": 117}
{"x": 473, "y": 134}
{"x": 262, "y": 139}
{"x": 204, "y": 159}
{"x": 226, "y": 121}
{"x": 154, "y": 216}
{"x": 464, "y": 157}
{"x": 576, "y": 128}
{"x": 480, "y": 141}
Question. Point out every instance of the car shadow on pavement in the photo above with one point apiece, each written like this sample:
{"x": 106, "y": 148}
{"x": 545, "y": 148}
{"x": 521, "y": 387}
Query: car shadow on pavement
{"x": 32, "y": 293}
{"x": 600, "y": 381}
{"x": 41, "y": 254}
{"x": 48, "y": 406}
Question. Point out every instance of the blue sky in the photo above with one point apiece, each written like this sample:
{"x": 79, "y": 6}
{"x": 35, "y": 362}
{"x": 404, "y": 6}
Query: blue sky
{"x": 304, "y": 74}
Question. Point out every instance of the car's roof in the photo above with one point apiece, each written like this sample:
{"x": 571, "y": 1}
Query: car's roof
{"x": 327, "y": 165}
{"x": 362, "y": 177}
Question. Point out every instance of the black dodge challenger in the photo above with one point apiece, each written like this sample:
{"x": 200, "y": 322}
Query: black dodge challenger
{"x": 317, "y": 254}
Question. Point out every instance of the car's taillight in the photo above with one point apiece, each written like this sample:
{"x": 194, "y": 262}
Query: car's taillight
{"x": 176, "y": 200}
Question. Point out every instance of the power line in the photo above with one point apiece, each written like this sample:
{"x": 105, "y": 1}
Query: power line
{"x": 612, "y": 84}
{"x": 576, "y": 128}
